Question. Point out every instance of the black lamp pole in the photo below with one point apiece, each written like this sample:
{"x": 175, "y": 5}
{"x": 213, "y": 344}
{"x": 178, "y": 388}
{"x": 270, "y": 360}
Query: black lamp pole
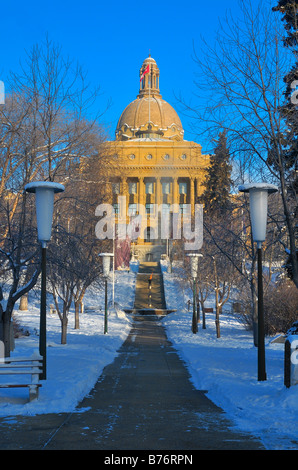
{"x": 106, "y": 261}
{"x": 43, "y": 314}
{"x": 106, "y": 307}
{"x": 261, "y": 328}
{"x": 44, "y": 201}
{"x": 258, "y": 200}
{"x": 194, "y": 312}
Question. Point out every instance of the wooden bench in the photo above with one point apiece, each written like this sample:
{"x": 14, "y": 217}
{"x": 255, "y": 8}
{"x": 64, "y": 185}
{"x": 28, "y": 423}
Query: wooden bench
{"x": 23, "y": 365}
{"x": 208, "y": 310}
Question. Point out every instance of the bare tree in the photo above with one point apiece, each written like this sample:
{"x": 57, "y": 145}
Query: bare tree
{"x": 204, "y": 284}
{"x": 74, "y": 264}
{"x": 241, "y": 79}
{"x": 43, "y": 127}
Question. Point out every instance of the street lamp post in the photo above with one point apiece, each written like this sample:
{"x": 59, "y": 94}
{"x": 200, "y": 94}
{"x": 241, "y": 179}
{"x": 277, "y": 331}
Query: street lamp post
{"x": 194, "y": 264}
{"x": 258, "y": 199}
{"x": 106, "y": 262}
{"x": 44, "y": 201}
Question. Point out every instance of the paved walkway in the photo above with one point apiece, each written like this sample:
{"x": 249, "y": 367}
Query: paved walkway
{"x": 143, "y": 400}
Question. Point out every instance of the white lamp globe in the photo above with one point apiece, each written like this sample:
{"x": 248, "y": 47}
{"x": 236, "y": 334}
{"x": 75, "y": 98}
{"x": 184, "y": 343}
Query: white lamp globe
{"x": 106, "y": 263}
{"x": 194, "y": 263}
{"x": 44, "y": 201}
{"x": 258, "y": 199}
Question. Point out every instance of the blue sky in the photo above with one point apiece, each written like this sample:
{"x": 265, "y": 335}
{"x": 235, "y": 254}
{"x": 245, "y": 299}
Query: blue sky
{"x": 112, "y": 39}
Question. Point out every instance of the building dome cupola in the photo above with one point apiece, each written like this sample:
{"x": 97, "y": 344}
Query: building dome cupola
{"x": 149, "y": 116}
{"x": 149, "y": 78}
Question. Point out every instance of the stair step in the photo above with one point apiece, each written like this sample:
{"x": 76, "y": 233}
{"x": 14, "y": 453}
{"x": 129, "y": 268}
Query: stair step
{"x": 149, "y": 311}
{"x": 156, "y": 293}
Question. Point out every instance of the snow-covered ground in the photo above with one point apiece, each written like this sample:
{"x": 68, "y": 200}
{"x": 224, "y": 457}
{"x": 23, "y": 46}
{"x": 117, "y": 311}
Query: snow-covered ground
{"x": 74, "y": 368}
{"x": 226, "y": 367}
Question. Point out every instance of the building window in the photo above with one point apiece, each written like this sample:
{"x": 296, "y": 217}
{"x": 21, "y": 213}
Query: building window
{"x": 116, "y": 208}
{"x": 183, "y": 188}
{"x": 183, "y": 208}
{"x": 132, "y": 187}
{"x": 149, "y": 208}
{"x": 149, "y": 187}
{"x": 166, "y": 156}
{"x": 165, "y": 210}
{"x": 116, "y": 188}
{"x": 183, "y": 157}
{"x": 132, "y": 156}
{"x": 148, "y": 234}
{"x": 166, "y": 187}
{"x": 132, "y": 210}
{"x": 149, "y": 157}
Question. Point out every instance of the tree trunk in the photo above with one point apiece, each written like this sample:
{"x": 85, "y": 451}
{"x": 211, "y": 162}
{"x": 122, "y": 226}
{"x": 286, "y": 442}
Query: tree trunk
{"x": 216, "y": 300}
{"x": 64, "y": 323}
{"x": 203, "y": 316}
{"x": 217, "y": 321}
{"x": 217, "y": 309}
{"x": 198, "y": 310}
{"x": 77, "y": 305}
{"x": 5, "y": 329}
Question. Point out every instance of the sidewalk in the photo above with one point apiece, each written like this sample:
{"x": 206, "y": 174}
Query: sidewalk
{"x": 144, "y": 400}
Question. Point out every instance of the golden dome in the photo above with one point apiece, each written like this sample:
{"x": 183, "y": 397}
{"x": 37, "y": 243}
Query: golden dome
{"x": 149, "y": 115}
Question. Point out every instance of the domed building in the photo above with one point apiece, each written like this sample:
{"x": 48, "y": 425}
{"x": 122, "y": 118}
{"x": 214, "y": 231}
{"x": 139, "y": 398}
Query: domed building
{"x": 155, "y": 166}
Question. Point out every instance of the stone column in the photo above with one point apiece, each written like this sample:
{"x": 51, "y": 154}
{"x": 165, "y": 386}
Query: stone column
{"x": 192, "y": 194}
{"x": 141, "y": 191}
{"x": 158, "y": 190}
{"x": 175, "y": 199}
{"x": 123, "y": 186}
{"x": 124, "y": 191}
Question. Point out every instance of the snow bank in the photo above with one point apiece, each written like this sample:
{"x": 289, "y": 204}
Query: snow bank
{"x": 227, "y": 368}
{"x": 74, "y": 368}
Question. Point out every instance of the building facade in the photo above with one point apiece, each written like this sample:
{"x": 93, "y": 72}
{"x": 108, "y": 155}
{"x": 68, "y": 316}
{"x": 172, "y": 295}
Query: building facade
{"x": 156, "y": 169}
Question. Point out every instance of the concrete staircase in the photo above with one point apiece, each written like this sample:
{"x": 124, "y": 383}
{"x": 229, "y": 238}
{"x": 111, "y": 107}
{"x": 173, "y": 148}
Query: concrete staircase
{"x": 149, "y": 300}
{"x": 153, "y": 297}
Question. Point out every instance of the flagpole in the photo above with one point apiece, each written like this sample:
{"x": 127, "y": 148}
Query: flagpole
{"x": 113, "y": 292}
{"x": 149, "y": 78}
{"x": 147, "y": 71}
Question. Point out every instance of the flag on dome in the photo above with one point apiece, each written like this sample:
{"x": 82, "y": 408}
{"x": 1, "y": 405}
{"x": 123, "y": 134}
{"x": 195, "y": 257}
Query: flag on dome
{"x": 147, "y": 70}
